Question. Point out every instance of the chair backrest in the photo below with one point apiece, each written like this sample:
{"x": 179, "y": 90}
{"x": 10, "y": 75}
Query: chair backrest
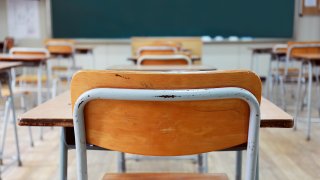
{"x": 303, "y": 47}
{"x": 29, "y": 51}
{"x": 280, "y": 48}
{"x": 166, "y": 127}
{"x": 193, "y": 44}
{"x": 176, "y": 59}
{"x": 60, "y": 46}
{"x": 8, "y": 44}
{"x": 156, "y": 50}
{"x": 300, "y": 48}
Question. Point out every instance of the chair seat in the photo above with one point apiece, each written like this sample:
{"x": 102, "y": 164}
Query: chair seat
{"x": 60, "y": 68}
{"x": 5, "y": 92}
{"x": 166, "y": 176}
{"x": 30, "y": 78}
{"x": 292, "y": 72}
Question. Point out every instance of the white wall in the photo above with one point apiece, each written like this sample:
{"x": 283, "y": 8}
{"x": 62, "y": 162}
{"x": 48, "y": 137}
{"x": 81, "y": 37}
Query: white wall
{"x": 306, "y": 28}
{"x": 24, "y": 42}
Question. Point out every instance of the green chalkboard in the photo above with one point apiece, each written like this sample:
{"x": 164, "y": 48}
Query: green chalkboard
{"x": 126, "y": 18}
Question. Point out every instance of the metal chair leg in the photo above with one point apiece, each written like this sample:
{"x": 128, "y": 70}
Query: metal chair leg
{"x": 282, "y": 92}
{"x": 4, "y": 129}
{"x": 309, "y": 100}
{"x": 238, "y": 165}
{"x": 200, "y": 163}
{"x": 63, "y": 156}
{"x": 14, "y": 119}
{"x": 298, "y": 98}
{"x": 122, "y": 162}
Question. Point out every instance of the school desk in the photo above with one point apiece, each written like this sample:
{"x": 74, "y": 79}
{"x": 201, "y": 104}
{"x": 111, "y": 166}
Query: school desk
{"x": 311, "y": 59}
{"x": 34, "y": 61}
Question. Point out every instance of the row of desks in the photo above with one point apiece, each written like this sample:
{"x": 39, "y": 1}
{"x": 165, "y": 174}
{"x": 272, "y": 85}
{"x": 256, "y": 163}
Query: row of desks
{"x": 58, "y": 111}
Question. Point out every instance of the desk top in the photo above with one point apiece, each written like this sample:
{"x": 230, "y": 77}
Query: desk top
{"x": 308, "y": 56}
{"x": 8, "y": 65}
{"x": 57, "y": 112}
{"x": 164, "y": 68}
{"x": 23, "y": 58}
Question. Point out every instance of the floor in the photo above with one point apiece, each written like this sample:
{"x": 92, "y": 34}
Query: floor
{"x": 284, "y": 153}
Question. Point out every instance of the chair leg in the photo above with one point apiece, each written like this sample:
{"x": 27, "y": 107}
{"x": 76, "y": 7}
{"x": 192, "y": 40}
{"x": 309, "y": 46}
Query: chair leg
{"x": 282, "y": 92}
{"x": 309, "y": 100}
{"x": 258, "y": 166}
{"x": 14, "y": 123}
{"x": 63, "y": 156}
{"x": 14, "y": 119}
{"x": 4, "y": 129}
{"x": 298, "y": 98}
{"x": 121, "y": 162}
{"x": 238, "y": 165}
{"x": 202, "y": 163}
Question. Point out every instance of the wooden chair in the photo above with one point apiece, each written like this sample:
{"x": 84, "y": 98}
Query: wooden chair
{"x": 8, "y": 44}
{"x": 32, "y": 79}
{"x": 63, "y": 49}
{"x": 60, "y": 47}
{"x": 175, "y": 59}
{"x": 286, "y": 69}
{"x": 193, "y": 45}
{"x": 166, "y": 114}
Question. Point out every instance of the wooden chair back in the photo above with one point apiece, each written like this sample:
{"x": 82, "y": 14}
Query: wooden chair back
{"x": 8, "y": 44}
{"x": 156, "y": 50}
{"x": 60, "y": 46}
{"x": 192, "y": 44}
{"x": 165, "y": 128}
{"x": 303, "y": 50}
{"x": 155, "y": 60}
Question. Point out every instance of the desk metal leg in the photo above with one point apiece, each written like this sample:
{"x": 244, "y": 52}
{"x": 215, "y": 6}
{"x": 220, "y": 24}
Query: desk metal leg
{"x": 298, "y": 98}
{"x": 39, "y": 93}
{"x": 309, "y": 100}
{"x": 14, "y": 118}
{"x": 238, "y": 165}
{"x": 63, "y": 156}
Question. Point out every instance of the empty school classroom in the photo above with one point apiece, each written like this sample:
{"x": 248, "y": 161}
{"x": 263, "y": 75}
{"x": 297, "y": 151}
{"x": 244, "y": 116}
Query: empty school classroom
{"x": 159, "y": 89}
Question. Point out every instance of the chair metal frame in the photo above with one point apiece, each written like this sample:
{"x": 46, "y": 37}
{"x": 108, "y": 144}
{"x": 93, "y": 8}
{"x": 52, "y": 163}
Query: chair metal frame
{"x": 158, "y": 95}
{"x": 164, "y": 57}
{"x": 298, "y": 92}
